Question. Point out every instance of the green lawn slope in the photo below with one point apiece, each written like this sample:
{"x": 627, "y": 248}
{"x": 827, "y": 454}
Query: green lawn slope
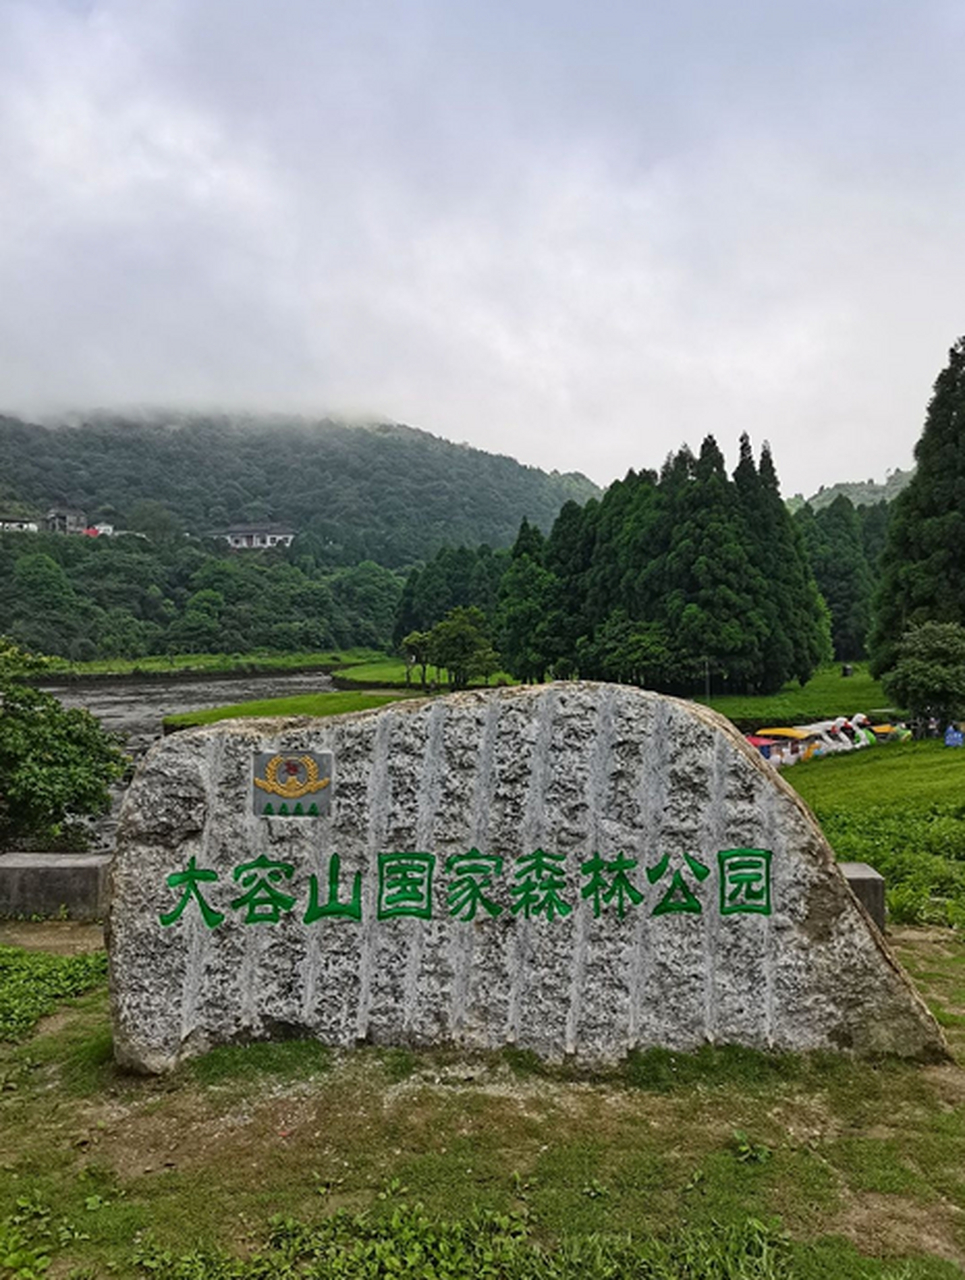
{"x": 291, "y": 1161}
{"x": 303, "y": 704}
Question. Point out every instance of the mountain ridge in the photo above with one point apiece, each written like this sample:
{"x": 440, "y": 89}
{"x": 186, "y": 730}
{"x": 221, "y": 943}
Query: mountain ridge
{"x": 860, "y": 493}
{"x": 379, "y": 490}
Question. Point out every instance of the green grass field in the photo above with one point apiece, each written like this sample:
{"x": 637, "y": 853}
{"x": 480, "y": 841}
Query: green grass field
{"x": 900, "y": 776}
{"x": 901, "y": 808}
{"x": 826, "y": 695}
{"x": 390, "y": 673}
{"x": 292, "y": 1161}
{"x": 208, "y": 663}
{"x": 302, "y": 704}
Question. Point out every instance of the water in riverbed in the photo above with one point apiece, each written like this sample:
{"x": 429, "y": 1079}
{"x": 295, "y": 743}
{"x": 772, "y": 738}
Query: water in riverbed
{"x": 134, "y": 709}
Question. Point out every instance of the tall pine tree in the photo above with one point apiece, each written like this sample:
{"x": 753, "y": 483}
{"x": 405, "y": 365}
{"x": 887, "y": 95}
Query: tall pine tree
{"x": 713, "y": 603}
{"x": 923, "y": 578}
{"x": 833, "y": 537}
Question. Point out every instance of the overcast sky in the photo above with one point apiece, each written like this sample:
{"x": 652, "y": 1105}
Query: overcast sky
{"x": 578, "y": 233}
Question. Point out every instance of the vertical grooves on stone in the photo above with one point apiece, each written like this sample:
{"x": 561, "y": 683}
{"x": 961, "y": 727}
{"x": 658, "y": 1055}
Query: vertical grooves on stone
{"x": 378, "y": 802}
{"x": 311, "y": 955}
{"x": 540, "y": 778}
{"x": 484, "y": 777}
{"x": 520, "y": 945}
{"x": 596, "y": 787}
{"x": 652, "y": 799}
{"x": 462, "y": 941}
{"x": 772, "y": 841}
{"x": 191, "y": 991}
{"x": 718, "y": 821}
{"x": 530, "y": 836}
{"x": 428, "y": 802}
{"x": 636, "y": 955}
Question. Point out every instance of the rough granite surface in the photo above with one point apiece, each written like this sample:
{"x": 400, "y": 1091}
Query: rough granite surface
{"x": 573, "y": 769}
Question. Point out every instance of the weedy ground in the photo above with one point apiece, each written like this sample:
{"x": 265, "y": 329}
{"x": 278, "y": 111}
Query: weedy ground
{"x": 288, "y": 1159}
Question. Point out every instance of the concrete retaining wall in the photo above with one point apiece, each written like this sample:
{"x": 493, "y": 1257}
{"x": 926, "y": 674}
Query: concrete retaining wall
{"x": 44, "y": 884}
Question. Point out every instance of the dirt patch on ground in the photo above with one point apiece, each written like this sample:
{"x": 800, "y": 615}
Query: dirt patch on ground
{"x": 353, "y": 1115}
{"x": 61, "y": 937}
{"x": 187, "y": 1134}
{"x": 887, "y": 1224}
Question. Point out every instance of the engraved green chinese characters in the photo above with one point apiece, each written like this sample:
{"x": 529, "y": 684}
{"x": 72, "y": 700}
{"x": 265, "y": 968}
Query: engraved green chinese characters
{"x": 534, "y": 886}
{"x": 745, "y": 881}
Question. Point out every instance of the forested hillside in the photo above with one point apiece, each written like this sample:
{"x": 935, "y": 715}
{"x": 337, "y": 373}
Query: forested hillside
{"x": 84, "y": 598}
{"x": 668, "y": 579}
{"x": 386, "y": 493}
{"x": 860, "y": 493}
{"x": 672, "y": 581}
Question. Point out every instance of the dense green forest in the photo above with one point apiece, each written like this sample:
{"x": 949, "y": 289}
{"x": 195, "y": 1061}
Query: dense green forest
{"x": 923, "y": 569}
{"x": 85, "y": 598}
{"x": 386, "y": 493}
{"x": 845, "y": 545}
{"x": 672, "y": 580}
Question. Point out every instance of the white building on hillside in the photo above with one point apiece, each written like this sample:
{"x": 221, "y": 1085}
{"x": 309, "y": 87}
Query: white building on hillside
{"x": 250, "y": 537}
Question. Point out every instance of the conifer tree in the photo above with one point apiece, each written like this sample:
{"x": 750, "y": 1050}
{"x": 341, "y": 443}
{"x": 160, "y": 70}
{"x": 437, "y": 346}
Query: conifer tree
{"x": 529, "y": 542}
{"x": 569, "y": 557}
{"x": 525, "y": 619}
{"x": 714, "y": 597}
{"x": 804, "y": 614}
{"x": 833, "y": 538}
{"x": 923, "y": 578}
{"x": 777, "y": 661}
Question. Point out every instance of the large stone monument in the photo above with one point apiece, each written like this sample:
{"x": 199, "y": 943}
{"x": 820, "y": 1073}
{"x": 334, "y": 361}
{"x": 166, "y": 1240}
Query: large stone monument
{"x": 575, "y": 869}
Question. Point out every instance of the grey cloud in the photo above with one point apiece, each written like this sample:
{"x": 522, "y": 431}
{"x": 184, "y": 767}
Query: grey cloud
{"x": 576, "y": 235}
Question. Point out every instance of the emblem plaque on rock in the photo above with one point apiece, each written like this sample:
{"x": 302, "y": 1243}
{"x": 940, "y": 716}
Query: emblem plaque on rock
{"x": 292, "y": 784}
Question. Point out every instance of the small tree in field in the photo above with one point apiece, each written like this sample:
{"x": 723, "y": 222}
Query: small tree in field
{"x": 459, "y": 645}
{"x": 929, "y": 676}
{"x": 55, "y": 764}
{"x": 415, "y": 646}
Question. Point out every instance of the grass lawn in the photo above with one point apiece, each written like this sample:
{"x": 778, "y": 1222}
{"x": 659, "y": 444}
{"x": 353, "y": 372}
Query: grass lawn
{"x": 302, "y": 704}
{"x": 184, "y": 663}
{"x": 901, "y": 808}
{"x": 724, "y": 1165}
{"x": 826, "y": 695}
{"x": 894, "y": 775}
{"x": 390, "y": 672}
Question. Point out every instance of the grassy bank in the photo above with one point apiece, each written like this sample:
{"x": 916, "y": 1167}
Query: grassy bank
{"x": 290, "y": 1160}
{"x": 901, "y": 808}
{"x": 389, "y": 673}
{"x": 826, "y": 695}
{"x": 302, "y": 704}
{"x": 207, "y": 664}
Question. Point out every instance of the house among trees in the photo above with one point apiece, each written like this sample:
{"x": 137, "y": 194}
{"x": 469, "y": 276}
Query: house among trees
{"x": 18, "y": 524}
{"x": 247, "y": 537}
{"x": 64, "y": 520}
